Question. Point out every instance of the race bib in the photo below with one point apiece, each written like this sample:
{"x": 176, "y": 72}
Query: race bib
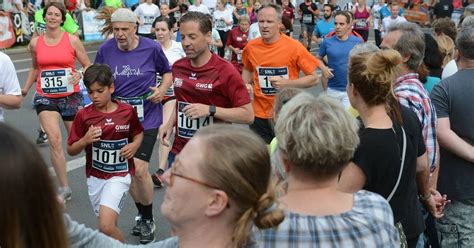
{"x": 220, "y": 24}
{"x": 137, "y": 104}
{"x": 361, "y": 23}
{"x": 148, "y": 20}
{"x": 264, "y": 74}
{"x": 41, "y": 28}
{"x": 307, "y": 18}
{"x": 239, "y": 57}
{"x": 56, "y": 81}
{"x": 187, "y": 126}
{"x": 106, "y": 156}
{"x": 169, "y": 91}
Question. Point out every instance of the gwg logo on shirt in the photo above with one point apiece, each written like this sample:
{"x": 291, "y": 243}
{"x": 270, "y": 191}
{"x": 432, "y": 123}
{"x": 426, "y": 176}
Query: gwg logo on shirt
{"x": 122, "y": 128}
{"x": 201, "y": 86}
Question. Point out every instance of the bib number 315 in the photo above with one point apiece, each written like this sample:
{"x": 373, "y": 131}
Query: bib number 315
{"x": 56, "y": 81}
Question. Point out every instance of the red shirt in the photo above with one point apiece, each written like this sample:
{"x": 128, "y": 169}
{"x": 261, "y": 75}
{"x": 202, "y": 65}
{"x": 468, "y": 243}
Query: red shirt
{"x": 216, "y": 83}
{"x": 237, "y": 39}
{"x": 118, "y": 129}
{"x": 288, "y": 12}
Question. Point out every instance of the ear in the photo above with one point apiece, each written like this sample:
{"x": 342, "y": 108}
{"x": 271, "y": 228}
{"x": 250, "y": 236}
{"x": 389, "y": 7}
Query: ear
{"x": 112, "y": 88}
{"x": 406, "y": 58}
{"x": 457, "y": 54}
{"x": 217, "y": 203}
{"x": 209, "y": 37}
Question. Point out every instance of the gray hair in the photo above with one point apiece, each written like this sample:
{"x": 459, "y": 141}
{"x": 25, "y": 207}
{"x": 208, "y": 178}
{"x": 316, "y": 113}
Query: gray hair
{"x": 468, "y": 22}
{"x": 363, "y": 48}
{"x": 244, "y": 18}
{"x": 316, "y": 135}
{"x": 465, "y": 43}
{"x": 276, "y": 7}
{"x": 411, "y": 43}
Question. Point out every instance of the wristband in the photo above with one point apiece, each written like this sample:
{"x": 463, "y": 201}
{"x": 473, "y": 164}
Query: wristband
{"x": 425, "y": 197}
{"x": 212, "y": 110}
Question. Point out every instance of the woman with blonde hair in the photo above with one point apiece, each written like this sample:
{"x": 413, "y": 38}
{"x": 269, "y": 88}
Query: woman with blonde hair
{"x": 446, "y": 47}
{"x": 391, "y": 158}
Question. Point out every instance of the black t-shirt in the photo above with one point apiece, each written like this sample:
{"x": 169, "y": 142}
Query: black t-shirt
{"x": 307, "y": 16}
{"x": 443, "y": 8}
{"x": 379, "y": 156}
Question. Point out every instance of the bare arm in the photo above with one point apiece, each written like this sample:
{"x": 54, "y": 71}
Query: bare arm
{"x": 352, "y": 179}
{"x": 452, "y": 142}
{"x": 32, "y": 74}
{"x": 243, "y": 114}
{"x": 81, "y": 53}
{"x": 303, "y": 82}
{"x": 10, "y": 101}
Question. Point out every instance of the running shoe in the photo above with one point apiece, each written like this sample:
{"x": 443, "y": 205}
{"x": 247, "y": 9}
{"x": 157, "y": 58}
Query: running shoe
{"x": 156, "y": 178}
{"x": 42, "y": 138}
{"x": 137, "y": 229}
{"x": 65, "y": 193}
{"x": 148, "y": 232}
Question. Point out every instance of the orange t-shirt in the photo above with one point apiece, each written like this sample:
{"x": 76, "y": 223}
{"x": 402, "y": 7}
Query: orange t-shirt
{"x": 285, "y": 57}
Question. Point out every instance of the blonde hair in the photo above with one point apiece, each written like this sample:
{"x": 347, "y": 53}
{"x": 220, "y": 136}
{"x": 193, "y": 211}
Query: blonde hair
{"x": 316, "y": 135}
{"x": 238, "y": 162}
{"x": 446, "y": 47}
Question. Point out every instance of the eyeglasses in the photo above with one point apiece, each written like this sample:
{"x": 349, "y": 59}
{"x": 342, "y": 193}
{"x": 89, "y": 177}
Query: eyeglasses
{"x": 173, "y": 174}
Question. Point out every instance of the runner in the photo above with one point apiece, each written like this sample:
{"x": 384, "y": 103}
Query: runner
{"x": 54, "y": 54}
{"x": 237, "y": 40}
{"x": 272, "y": 62}
{"x": 10, "y": 91}
{"x": 69, "y": 25}
{"x": 147, "y": 12}
{"x": 223, "y": 23}
{"x": 208, "y": 89}
{"x": 377, "y": 20}
{"x": 173, "y": 51}
{"x": 362, "y": 19}
{"x": 337, "y": 50}
{"x": 307, "y": 11}
{"x": 110, "y": 133}
{"x": 135, "y": 61}
{"x": 324, "y": 26}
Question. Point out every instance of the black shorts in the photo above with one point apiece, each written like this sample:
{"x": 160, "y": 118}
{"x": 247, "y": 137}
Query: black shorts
{"x": 264, "y": 129}
{"x": 66, "y": 106}
{"x": 146, "y": 148}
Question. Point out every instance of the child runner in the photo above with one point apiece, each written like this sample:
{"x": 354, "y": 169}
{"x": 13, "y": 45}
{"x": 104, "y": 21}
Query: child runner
{"x": 110, "y": 133}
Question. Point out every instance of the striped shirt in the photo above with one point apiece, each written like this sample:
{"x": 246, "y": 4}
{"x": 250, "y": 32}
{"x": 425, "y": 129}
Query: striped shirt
{"x": 410, "y": 93}
{"x": 368, "y": 224}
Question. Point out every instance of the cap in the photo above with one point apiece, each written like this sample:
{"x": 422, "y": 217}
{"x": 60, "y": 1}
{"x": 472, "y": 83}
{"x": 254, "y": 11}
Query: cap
{"x": 123, "y": 15}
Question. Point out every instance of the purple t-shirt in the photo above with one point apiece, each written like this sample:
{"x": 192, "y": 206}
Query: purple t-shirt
{"x": 135, "y": 72}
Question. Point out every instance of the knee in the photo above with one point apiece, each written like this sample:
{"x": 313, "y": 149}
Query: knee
{"x": 141, "y": 171}
{"x": 55, "y": 141}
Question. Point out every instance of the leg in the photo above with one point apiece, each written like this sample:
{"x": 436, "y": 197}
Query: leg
{"x": 378, "y": 37}
{"x": 141, "y": 188}
{"x": 309, "y": 33}
{"x": 164, "y": 151}
{"x": 108, "y": 223}
{"x": 50, "y": 122}
{"x": 456, "y": 228}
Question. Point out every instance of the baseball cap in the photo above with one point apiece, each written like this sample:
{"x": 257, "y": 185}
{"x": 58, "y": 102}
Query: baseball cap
{"x": 123, "y": 15}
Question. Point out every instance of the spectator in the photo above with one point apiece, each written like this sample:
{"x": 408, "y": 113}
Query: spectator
{"x": 446, "y": 48}
{"x": 10, "y": 91}
{"x": 147, "y": 12}
{"x": 442, "y": 9}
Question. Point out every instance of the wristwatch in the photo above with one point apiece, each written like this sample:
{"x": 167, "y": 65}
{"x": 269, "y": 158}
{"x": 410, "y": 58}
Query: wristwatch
{"x": 212, "y": 110}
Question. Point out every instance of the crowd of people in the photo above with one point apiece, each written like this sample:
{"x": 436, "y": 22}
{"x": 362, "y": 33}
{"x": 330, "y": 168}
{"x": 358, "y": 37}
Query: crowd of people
{"x": 382, "y": 158}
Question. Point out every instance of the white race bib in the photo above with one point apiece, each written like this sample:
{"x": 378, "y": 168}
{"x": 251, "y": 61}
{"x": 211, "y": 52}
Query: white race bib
{"x": 148, "y": 20}
{"x": 239, "y": 57}
{"x": 307, "y": 18}
{"x": 137, "y": 104}
{"x": 187, "y": 126}
{"x": 106, "y": 156}
{"x": 56, "y": 81}
{"x": 264, "y": 74}
{"x": 361, "y": 23}
{"x": 220, "y": 24}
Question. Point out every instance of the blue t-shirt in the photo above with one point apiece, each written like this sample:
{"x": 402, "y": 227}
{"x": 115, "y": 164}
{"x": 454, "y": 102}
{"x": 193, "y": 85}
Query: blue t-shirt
{"x": 385, "y": 11}
{"x": 323, "y": 28}
{"x": 430, "y": 83}
{"x": 130, "y": 3}
{"x": 338, "y": 59}
{"x": 134, "y": 73}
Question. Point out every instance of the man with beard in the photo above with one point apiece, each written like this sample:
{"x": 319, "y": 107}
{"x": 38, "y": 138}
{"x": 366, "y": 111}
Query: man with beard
{"x": 324, "y": 26}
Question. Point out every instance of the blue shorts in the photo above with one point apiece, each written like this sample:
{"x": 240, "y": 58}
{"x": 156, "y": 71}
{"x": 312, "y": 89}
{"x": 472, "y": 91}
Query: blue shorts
{"x": 67, "y": 106}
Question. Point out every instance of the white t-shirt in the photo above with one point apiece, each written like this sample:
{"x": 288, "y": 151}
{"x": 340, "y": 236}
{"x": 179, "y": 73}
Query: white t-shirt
{"x": 220, "y": 24}
{"x": 254, "y": 31}
{"x": 215, "y": 37}
{"x": 450, "y": 68}
{"x": 387, "y": 21}
{"x": 147, "y": 14}
{"x": 211, "y": 4}
{"x": 9, "y": 84}
{"x": 174, "y": 52}
{"x": 376, "y": 15}
{"x": 201, "y": 8}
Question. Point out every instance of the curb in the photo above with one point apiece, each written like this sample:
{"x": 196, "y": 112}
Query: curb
{"x": 23, "y": 49}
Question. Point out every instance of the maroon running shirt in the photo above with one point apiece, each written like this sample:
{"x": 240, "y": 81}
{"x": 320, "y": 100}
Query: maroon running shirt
{"x": 216, "y": 83}
{"x": 103, "y": 158}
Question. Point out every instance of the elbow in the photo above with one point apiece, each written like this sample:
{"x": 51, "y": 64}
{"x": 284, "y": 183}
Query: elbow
{"x": 71, "y": 151}
{"x": 16, "y": 104}
{"x": 250, "y": 119}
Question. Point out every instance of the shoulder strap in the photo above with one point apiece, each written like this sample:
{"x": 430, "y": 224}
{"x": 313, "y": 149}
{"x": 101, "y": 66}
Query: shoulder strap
{"x": 401, "y": 166}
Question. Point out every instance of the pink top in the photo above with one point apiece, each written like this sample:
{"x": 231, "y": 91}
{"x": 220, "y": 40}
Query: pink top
{"x": 361, "y": 19}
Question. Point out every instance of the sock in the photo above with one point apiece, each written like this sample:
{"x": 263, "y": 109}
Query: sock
{"x": 140, "y": 208}
{"x": 147, "y": 212}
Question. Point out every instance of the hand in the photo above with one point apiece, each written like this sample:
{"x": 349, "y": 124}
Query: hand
{"x": 440, "y": 200}
{"x": 430, "y": 205}
{"x": 249, "y": 88}
{"x": 164, "y": 133}
{"x": 75, "y": 78}
{"x": 327, "y": 72}
{"x": 278, "y": 82}
{"x": 196, "y": 110}
{"x": 156, "y": 96}
{"x": 92, "y": 135}
{"x": 129, "y": 150}
{"x": 24, "y": 92}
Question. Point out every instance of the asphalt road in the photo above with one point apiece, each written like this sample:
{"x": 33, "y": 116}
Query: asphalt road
{"x": 79, "y": 207}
